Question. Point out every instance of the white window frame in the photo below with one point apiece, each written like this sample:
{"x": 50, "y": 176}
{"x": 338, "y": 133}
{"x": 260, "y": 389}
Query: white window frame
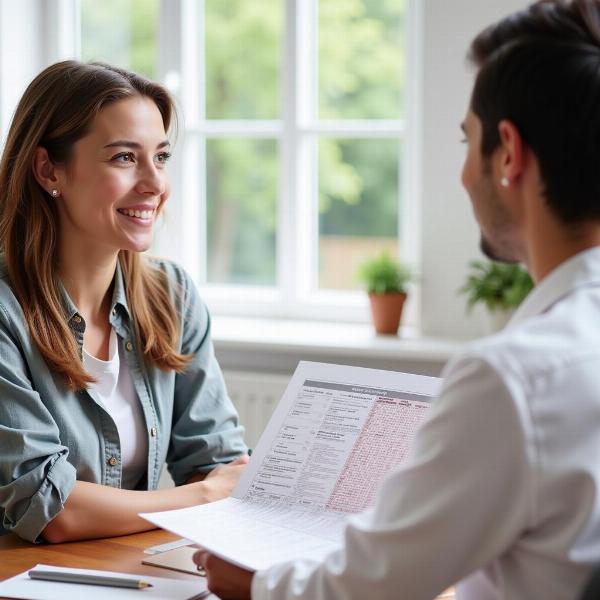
{"x": 296, "y": 133}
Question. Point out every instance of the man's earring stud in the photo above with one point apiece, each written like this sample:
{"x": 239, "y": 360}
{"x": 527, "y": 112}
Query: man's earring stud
{"x": 504, "y": 182}
{"x": 55, "y": 193}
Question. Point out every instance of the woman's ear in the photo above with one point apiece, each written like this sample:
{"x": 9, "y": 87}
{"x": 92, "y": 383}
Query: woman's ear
{"x": 45, "y": 172}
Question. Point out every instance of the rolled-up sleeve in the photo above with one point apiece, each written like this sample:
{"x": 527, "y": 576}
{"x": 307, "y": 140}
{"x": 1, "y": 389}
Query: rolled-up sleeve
{"x": 206, "y": 429}
{"x": 35, "y": 476}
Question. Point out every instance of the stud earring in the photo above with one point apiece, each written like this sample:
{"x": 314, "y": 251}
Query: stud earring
{"x": 504, "y": 182}
{"x": 55, "y": 193}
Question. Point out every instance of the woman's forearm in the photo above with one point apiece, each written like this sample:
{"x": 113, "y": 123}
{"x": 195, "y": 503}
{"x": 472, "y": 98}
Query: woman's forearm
{"x": 93, "y": 510}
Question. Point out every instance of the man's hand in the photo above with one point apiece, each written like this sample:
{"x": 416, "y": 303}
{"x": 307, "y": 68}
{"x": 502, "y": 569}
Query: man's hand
{"x": 224, "y": 579}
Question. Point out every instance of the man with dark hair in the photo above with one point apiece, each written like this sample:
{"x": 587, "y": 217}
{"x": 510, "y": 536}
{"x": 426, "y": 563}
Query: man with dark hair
{"x": 501, "y": 495}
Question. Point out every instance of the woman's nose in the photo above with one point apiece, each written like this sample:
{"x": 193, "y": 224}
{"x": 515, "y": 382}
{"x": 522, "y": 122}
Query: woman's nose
{"x": 152, "y": 181}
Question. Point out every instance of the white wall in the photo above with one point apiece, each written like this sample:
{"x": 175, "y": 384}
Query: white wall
{"x": 449, "y": 235}
{"x": 21, "y": 52}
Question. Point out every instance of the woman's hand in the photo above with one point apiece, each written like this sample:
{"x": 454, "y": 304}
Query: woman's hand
{"x": 227, "y": 581}
{"x": 219, "y": 483}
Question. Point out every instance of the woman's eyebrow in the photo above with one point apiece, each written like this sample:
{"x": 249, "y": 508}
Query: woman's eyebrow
{"x": 134, "y": 145}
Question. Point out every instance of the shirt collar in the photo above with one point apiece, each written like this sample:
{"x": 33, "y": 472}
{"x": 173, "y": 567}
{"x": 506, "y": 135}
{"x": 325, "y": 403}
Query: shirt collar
{"x": 70, "y": 308}
{"x": 579, "y": 271}
{"x": 119, "y": 296}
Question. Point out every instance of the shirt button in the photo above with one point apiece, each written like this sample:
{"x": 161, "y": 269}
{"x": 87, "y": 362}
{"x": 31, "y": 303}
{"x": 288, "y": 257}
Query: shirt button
{"x": 112, "y": 461}
{"x": 128, "y": 346}
{"x": 153, "y": 432}
{"x": 77, "y": 319}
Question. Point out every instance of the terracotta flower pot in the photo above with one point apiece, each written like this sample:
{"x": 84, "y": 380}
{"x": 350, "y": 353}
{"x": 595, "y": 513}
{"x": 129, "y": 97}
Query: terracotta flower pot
{"x": 387, "y": 311}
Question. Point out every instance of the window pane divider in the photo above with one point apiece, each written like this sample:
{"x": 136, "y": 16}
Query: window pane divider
{"x": 288, "y": 153}
{"x": 306, "y": 188}
{"x": 362, "y": 128}
{"x": 222, "y": 129}
{"x": 272, "y": 128}
{"x": 62, "y": 20}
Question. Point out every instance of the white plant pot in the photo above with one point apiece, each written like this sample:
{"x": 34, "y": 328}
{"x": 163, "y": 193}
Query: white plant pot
{"x": 497, "y": 320}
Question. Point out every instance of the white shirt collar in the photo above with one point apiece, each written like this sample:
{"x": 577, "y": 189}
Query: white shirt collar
{"x": 580, "y": 270}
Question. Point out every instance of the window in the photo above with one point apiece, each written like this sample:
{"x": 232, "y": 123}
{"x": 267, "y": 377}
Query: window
{"x": 289, "y": 163}
{"x": 121, "y": 32}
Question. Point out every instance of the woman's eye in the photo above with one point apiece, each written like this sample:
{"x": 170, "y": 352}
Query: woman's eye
{"x": 124, "y": 157}
{"x": 163, "y": 157}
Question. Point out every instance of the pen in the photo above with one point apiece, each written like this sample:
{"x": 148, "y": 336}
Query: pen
{"x": 88, "y": 579}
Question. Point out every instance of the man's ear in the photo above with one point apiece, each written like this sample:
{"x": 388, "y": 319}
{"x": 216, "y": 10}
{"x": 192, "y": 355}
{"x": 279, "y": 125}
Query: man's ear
{"x": 512, "y": 151}
{"x": 45, "y": 171}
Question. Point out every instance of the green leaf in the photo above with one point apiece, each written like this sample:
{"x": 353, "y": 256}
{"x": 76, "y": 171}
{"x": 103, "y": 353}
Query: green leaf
{"x": 383, "y": 274}
{"x": 499, "y": 286}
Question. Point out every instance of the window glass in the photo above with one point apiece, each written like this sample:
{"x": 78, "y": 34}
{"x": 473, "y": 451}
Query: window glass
{"x": 360, "y": 75}
{"x": 123, "y": 33}
{"x": 361, "y": 59}
{"x": 242, "y": 213}
{"x": 243, "y": 56}
{"x": 358, "y": 206}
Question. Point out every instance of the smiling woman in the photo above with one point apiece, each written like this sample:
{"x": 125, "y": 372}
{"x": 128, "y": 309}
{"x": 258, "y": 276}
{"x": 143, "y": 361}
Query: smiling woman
{"x": 116, "y": 173}
{"x": 107, "y": 365}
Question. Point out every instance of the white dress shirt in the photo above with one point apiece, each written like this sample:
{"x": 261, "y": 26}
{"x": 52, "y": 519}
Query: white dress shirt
{"x": 502, "y": 490}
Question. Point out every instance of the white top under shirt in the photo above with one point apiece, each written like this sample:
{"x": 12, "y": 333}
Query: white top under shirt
{"x": 116, "y": 391}
{"x": 502, "y": 490}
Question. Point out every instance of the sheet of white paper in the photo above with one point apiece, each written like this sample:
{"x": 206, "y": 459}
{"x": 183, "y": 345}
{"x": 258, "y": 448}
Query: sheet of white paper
{"x": 237, "y": 530}
{"x": 21, "y": 586}
{"x": 333, "y": 437}
{"x": 336, "y": 422}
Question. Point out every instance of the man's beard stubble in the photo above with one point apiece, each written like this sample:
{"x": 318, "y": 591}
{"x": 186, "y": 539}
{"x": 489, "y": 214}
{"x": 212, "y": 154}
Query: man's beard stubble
{"x": 500, "y": 250}
{"x": 488, "y": 250}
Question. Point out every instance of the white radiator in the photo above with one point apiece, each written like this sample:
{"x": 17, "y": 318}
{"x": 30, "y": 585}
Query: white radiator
{"x": 255, "y": 396}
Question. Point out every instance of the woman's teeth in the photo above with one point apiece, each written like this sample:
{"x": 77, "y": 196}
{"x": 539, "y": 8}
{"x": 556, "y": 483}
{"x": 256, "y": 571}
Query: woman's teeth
{"x": 140, "y": 214}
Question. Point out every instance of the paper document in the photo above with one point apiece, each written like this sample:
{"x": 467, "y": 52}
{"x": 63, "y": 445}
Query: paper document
{"x": 332, "y": 439}
{"x": 21, "y": 586}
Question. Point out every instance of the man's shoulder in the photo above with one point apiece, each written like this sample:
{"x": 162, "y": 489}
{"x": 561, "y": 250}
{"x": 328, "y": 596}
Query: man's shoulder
{"x": 548, "y": 344}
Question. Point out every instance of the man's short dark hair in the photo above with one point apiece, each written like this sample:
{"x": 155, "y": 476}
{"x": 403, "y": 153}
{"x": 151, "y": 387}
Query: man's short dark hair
{"x": 540, "y": 69}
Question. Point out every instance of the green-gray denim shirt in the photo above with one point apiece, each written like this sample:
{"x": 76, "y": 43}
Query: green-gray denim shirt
{"x": 50, "y": 436}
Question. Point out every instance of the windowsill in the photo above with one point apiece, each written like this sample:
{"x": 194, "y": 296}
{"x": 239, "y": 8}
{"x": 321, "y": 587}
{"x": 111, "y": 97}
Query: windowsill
{"x": 308, "y": 338}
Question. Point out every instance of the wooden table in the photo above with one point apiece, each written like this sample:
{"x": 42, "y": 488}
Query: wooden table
{"x": 122, "y": 554}
{"x": 115, "y": 554}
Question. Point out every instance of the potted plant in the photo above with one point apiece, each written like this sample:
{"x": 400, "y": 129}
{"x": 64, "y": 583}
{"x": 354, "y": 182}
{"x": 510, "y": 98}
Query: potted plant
{"x": 386, "y": 280}
{"x": 500, "y": 287}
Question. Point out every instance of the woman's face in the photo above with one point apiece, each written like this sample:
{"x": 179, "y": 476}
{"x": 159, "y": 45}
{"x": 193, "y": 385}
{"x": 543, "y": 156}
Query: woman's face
{"x": 115, "y": 182}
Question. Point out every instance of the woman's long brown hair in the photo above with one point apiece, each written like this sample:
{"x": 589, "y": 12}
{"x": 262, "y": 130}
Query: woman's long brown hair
{"x": 56, "y": 110}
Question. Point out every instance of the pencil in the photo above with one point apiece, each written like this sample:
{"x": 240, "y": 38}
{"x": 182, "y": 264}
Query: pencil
{"x": 65, "y": 577}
